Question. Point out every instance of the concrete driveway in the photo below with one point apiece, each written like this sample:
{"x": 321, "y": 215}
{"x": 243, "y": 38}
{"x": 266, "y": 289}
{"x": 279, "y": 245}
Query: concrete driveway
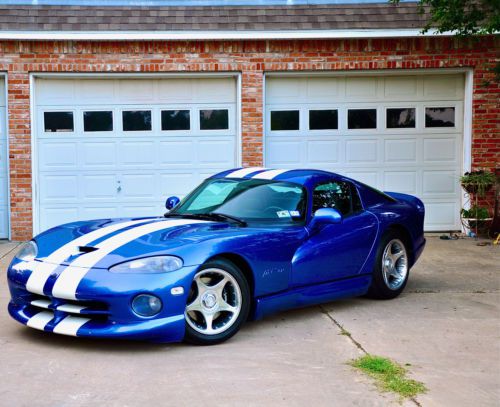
{"x": 446, "y": 326}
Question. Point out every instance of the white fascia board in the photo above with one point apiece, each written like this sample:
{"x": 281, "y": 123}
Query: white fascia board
{"x": 211, "y": 35}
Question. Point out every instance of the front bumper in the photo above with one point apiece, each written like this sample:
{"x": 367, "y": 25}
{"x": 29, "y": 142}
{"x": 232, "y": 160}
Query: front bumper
{"x": 103, "y": 305}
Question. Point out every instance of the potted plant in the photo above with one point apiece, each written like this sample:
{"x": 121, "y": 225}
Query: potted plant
{"x": 475, "y": 218}
{"x": 477, "y": 182}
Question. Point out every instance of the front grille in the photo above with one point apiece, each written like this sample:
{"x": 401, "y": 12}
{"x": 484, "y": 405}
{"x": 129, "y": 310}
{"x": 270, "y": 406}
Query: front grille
{"x": 94, "y": 310}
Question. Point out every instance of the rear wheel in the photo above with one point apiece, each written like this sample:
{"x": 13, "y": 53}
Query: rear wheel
{"x": 391, "y": 270}
{"x": 218, "y": 303}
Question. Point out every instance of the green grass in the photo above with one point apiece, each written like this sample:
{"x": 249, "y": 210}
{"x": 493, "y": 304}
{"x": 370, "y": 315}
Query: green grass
{"x": 389, "y": 375}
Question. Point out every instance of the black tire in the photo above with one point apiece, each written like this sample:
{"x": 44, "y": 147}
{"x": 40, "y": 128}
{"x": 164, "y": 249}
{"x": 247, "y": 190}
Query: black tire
{"x": 379, "y": 288}
{"x": 193, "y": 335}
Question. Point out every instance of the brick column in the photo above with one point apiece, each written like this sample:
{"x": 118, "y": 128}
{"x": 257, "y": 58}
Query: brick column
{"x": 21, "y": 205}
{"x": 252, "y": 117}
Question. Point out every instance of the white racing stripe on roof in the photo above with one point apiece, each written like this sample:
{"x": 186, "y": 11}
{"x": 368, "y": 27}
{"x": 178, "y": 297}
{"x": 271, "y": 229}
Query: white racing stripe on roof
{"x": 243, "y": 172}
{"x": 271, "y": 174}
{"x": 42, "y": 270}
{"x": 67, "y": 282}
{"x": 40, "y": 320}
{"x": 70, "y": 325}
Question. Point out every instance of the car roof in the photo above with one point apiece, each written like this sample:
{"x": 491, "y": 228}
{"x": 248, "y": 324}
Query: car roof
{"x": 299, "y": 176}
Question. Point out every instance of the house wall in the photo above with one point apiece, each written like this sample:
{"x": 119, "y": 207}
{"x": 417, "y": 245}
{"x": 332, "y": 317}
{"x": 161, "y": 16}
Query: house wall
{"x": 19, "y": 59}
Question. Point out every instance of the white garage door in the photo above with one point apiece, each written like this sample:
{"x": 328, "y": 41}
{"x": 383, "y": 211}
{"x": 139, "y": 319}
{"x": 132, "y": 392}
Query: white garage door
{"x": 401, "y": 134}
{"x": 119, "y": 147}
{"x": 4, "y": 210}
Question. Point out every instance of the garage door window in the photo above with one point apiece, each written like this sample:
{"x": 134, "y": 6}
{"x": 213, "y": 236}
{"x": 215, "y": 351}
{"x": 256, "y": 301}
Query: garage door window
{"x": 136, "y": 120}
{"x": 214, "y": 119}
{"x": 175, "y": 120}
{"x": 98, "y": 121}
{"x": 323, "y": 120}
{"x": 284, "y": 120}
{"x": 400, "y": 118}
{"x": 362, "y": 119}
{"x": 439, "y": 117}
{"x": 55, "y": 122}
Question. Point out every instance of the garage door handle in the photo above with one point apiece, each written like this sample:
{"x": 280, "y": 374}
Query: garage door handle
{"x": 119, "y": 187}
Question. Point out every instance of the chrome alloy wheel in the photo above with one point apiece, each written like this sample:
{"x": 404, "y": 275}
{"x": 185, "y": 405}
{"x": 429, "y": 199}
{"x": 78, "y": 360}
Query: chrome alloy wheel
{"x": 214, "y": 301}
{"x": 394, "y": 264}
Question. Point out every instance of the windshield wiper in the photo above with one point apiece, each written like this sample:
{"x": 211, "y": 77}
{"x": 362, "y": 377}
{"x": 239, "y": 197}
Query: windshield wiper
{"x": 208, "y": 216}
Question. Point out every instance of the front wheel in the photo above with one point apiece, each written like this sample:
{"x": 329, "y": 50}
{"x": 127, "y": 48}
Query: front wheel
{"x": 391, "y": 270}
{"x": 218, "y": 303}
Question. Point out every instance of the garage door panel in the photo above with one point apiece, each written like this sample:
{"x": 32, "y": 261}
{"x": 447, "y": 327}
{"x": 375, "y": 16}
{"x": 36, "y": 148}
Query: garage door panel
{"x": 4, "y": 232}
{"x": 98, "y": 155}
{"x": 400, "y": 151}
{"x": 422, "y": 157}
{"x": 98, "y": 91}
{"x": 216, "y": 153}
{"x": 401, "y": 87}
{"x": 175, "y": 153}
{"x": 321, "y": 90}
{"x": 440, "y": 150}
{"x": 283, "y": 152}
{"x": 3, "y": 196}
{"x": 138, "y": 186}
{"x": 365, "y": 88}
{"x": 137, "y": 154}
{"x": 136, "y": 91}
{"x": 135, "y": 211}
{"x": 364, "y": 151}
{"x": 176, "y": 91}
{"x": 57, "y": 92}
{"x": 323, "y": 152}
{"x": 61, "y": 156}
{"x": 401, "y": 181}
{"x": 439, "y": 215}
{"x": 439, "y": 182}
{"x": 59, "y": 188}
{"x": 3, "y": 155}
{"x": 98, "y": 187}
{"x": 443, "y": 87}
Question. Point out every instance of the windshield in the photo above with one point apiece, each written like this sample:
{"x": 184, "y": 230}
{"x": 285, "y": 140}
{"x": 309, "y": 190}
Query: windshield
{"x": 247, "y": 199}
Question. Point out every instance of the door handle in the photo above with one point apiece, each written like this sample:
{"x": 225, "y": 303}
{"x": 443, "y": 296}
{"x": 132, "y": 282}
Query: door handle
{"x": 119, "y": 187}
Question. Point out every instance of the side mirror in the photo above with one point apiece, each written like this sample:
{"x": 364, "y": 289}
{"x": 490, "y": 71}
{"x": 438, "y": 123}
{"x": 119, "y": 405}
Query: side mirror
{"x": 172, "y": 202}
{"x": 325, "y": 216}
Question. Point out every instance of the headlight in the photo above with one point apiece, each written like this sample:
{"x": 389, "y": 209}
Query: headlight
{"x": 28, "y": 252}
{"x": 149, "y": 265}
{"x": 146, "y": 305}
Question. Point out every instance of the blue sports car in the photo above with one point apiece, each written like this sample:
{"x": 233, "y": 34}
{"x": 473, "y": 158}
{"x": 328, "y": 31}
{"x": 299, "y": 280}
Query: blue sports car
{"x": 245, "y": 243}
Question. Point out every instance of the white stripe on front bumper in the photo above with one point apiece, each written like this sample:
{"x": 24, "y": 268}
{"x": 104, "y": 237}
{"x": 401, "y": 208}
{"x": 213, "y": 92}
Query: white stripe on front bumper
{"x": 70, "y": 325}
{"x": 40, "y": 320}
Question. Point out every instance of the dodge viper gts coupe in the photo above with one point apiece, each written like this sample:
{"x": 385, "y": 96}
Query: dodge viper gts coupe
{"x": 245, "y": 243}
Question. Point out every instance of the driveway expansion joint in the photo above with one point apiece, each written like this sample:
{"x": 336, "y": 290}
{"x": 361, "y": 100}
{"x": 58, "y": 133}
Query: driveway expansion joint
{"x": 345, "y": 332}
{"x": 10, "y": 251}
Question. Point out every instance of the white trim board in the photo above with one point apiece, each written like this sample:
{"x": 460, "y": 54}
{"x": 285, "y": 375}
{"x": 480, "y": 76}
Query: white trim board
{"x": 215, "y": 35}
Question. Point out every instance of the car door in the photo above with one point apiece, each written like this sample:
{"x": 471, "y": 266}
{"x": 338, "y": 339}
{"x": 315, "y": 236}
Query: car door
{"x": 335, "y": 251}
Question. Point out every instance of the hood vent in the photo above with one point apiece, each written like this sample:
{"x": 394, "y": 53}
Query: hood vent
{"x": 87, "y": 249}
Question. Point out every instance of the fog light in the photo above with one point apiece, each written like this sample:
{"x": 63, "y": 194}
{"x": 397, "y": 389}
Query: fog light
{"x": 146, "y": 305}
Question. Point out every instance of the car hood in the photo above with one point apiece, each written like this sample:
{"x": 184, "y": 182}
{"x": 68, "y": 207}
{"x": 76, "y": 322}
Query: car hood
{"x": 103, "y": 243}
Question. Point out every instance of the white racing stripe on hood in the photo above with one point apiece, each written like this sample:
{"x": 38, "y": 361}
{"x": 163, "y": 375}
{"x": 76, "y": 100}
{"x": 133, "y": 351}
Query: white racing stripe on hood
{"x": 41, "y": 270}
{"x": 40, "y": 320}
{"x": 271, "y": 174}
{"x": 244, "y": 171}
{"x": 67, "y": 282}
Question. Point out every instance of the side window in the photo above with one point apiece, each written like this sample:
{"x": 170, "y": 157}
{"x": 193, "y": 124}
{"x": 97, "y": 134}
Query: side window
{"x": 337, "y": 195}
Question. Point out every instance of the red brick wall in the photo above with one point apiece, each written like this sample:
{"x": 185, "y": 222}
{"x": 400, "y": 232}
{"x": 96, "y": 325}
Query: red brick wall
{"x": 252, "y": 59}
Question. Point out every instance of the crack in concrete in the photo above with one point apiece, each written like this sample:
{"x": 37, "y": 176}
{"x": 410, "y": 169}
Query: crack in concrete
{"x": 10, "y": 251}
{"x": 358, "y": 345}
